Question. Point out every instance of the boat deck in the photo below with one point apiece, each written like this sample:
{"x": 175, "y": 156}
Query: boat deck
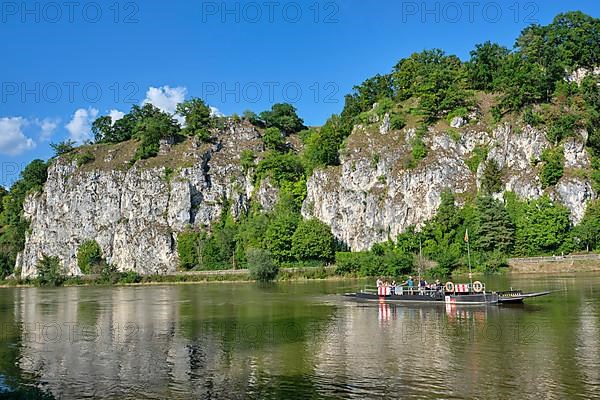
{"x": 432, "y": 296}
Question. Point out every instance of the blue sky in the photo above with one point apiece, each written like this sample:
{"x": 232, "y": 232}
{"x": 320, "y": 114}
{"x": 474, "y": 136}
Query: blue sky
{"x": 66, "y": 63}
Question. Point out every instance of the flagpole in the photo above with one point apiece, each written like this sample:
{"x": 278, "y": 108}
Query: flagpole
{"x": 469, "y": 256}
{"x": 420, "y": 258}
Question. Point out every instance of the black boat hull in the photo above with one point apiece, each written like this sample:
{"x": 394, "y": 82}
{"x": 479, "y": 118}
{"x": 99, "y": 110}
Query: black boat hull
{"x": 437, "y": 297}
{"x": 513, "y": 297}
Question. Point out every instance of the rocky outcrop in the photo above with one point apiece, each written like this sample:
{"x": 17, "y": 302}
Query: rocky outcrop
{"x": 574, "y": 192}
{"x": 136, "y": 213}
{"x": 375, "y": 194}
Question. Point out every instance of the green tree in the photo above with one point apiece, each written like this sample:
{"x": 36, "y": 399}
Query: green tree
{"x": 444, "y": 235}
{"x": 485, "y": 65}
{"x": 495, "y": 230}
{"x": 575, "y": 39}
{"x": 273, "y": 139}
{"x": 89, "y": 257}
{"x": 553, "y": 166}
{"x": 247, "y": 158}
{"x": 491, "y": 181}
{"x": 253, "y": 118}
{"x": 261, "y": 265}
{"x": 190, "y": 248}
{"x": 418, "y": 150}
{"x": 521, "y": 83}
{"x": 153, "y": 126}
{"x": 197, "y": 118}
{"x": 588, "y": 231}
{"x": 563, "y": 126}
{"x": 397, "y": 122}
{"x": 278, "y": 237}
{"x": 102, "y": 128}
{"x": 250, "y": 234}
{"x": 313, "y": 240}
{"x": 284, "y": 117}
{"x": 63, "y": 147}
{"x": 49, "y": 271}
{"x": 438, "y": 80}
{"x": 281, "y": 168}
{"x": 541, "y": 227}
{"x": 322, "y": 145}
{"x": 3, "y": 193}
{"x": 365, "y": 95}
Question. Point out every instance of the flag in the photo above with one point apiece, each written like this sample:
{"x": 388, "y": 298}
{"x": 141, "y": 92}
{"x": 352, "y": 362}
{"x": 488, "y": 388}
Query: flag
{"x": 467, "y": 236}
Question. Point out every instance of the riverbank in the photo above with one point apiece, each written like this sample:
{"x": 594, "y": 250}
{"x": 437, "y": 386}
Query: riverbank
{"x": 537, "y": 265}
{"x": 555, "y": 264}
{"x": 187, "y": 277}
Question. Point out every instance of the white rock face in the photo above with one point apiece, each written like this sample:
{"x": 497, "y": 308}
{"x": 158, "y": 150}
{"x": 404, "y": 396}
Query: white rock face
{"x": 575, "y": 193}
{"x": 576, "y": 155}
{"x": 580, "y": 73}
{"x": 374, "y": 196}
{"x": 135, "y": 214}
{"x": 458, "y": 122}
{"x": 385, "y": 124}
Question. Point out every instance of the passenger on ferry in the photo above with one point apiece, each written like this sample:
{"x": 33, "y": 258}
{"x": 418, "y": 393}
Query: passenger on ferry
{"x": 422, "y": 285}
{"x": 393, "y": 288}
{"x": 379, "y": 282}
{"x": 410, "y": 283}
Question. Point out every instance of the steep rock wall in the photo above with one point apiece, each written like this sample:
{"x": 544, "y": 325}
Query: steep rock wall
{"x": 135, "y": 213}
{"x": 375, "y": 195}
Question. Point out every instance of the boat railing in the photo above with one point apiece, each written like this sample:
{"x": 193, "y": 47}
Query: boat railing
{"x": 466, "y": 288}
{"x": 403, "y": 290}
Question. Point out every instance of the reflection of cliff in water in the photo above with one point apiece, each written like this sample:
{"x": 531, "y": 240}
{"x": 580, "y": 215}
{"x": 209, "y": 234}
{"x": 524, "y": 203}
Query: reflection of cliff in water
{"x": 80, "y": 341}
{"x": 168, "y": 342}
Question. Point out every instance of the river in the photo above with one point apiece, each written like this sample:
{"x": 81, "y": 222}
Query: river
{"x": 298, "y": 340}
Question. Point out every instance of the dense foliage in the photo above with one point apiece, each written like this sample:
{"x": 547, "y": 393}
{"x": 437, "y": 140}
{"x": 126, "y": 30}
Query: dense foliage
{"x": 261, "y": 265}
{"x": 89, "y": 257}
{"x": 197, "y": 118}
{"x": 49, "y": 272}
{"x": 283, "y": 117}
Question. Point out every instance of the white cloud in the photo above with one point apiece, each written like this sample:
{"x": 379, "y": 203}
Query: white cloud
{"x": 80, "y": 126}
{"x": 115, "y": 115}
{"x": 165, "y": 98}
{"x": 12, "y": 139}
{"x": 48, "y": 126}
{"x": 215, "y": 112}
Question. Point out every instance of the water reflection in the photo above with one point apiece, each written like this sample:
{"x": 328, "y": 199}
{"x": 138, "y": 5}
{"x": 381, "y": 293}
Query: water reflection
{"x": 297, "y": 341}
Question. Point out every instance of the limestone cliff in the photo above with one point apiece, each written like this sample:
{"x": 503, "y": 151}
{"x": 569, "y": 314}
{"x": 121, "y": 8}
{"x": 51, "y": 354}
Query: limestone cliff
{"x": 136, "y": 212}
{"x": 374, "y": 195}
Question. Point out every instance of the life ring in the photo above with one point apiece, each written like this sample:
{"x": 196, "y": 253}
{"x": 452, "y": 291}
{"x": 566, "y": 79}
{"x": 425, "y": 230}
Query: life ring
{"x": 449, "y": 287}
{"x": 477, "y": 287}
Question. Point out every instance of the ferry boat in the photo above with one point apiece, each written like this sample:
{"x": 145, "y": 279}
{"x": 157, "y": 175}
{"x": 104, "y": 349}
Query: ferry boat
{"x": 468, "y": 293}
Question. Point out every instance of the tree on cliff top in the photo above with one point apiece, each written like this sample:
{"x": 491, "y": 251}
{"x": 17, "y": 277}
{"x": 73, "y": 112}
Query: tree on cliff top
{"x": 153, "y": 126}
{"x": 284, "y": 117}
{"x": 485, "y": 65}
{"x": 197, "y": 118}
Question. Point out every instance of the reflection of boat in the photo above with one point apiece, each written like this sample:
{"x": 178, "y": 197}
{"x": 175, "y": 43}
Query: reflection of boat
{"x": 468, "y": 294}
